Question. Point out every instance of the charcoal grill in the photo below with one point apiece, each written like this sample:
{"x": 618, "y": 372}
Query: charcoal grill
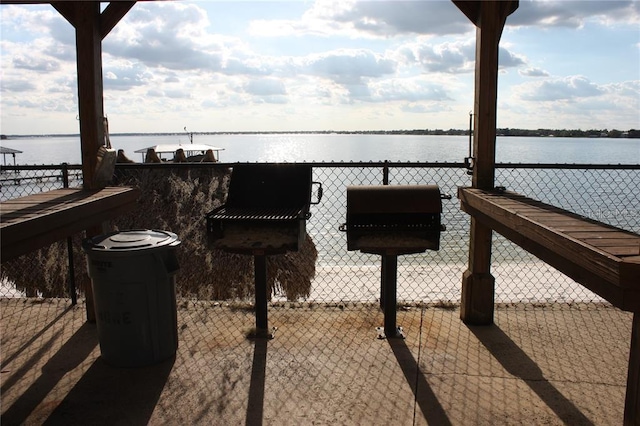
{"x": 390, "y": 221}
{"x": 265, "y": 213}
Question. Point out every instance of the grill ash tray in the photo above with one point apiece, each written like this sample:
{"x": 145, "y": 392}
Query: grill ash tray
{"x": 247, "y": 238}
{"x": 395, "y": 243}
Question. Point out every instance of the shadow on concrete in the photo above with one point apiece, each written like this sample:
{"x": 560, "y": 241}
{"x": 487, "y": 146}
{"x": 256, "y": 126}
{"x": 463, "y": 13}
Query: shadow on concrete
{"x": 519, "y": 364}
{"x": 255, "y": 405}
{"x": 34, "y": 338}
{"x": 431, "y": 408}
{"x": 28, "y": 365}
{"x": 70, "y": 355}
{"x": 113, "y": 395}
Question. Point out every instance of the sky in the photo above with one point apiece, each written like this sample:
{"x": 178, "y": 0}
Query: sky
{"x": 230, "y": 66}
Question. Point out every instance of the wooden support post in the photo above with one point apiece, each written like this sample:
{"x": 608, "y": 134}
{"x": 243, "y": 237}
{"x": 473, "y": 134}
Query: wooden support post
{"x": 632, "y": 400}
{"x": 477, "y": 281}
{"x": 478, "y": 285}
{"x": 89, "y": 52}
{"x": 91, "y": 27}
{"x": 91, "y": 110}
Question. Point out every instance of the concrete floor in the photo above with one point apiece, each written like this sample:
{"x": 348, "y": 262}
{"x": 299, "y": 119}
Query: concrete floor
{"x": 545, "y": 364}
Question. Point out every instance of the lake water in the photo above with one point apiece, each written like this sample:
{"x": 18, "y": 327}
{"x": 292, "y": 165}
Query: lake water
{"x": 346, "y": 147}
{"x": 610, "y": 196}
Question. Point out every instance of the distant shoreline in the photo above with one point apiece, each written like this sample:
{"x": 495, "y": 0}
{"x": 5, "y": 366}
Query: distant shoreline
{"x": 593, "y": 133}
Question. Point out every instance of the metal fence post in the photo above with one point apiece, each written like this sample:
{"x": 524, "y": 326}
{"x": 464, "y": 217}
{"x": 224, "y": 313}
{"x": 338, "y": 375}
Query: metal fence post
{"x": 385, "y": 173}
{"x": 383, "y": 264}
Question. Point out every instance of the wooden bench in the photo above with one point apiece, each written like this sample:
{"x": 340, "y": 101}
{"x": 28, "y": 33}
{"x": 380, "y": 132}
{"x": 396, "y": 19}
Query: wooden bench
{"x": 603, "y": 258}
{"x": 31, "y": 222}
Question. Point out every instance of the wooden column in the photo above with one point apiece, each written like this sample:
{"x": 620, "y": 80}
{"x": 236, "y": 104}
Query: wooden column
{"x": 91, "y": 27}
{"x": 477, "y": 282}
{"x": 632, "y": 400}
{"x": 85, "y": 17}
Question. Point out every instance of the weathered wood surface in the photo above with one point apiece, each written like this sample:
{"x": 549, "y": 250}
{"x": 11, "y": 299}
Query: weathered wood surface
{"x": 603, "y": 258}
{"x": 31, "y": 222}
{"x": 477, "y": 282}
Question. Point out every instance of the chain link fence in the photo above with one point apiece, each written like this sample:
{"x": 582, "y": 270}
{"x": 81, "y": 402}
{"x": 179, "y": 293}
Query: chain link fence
{"x": 177, "y": 196}
{"x": 325, "y": 364}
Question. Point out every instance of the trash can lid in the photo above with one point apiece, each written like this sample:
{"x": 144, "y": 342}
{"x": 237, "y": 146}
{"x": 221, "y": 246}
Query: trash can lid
{"x": 137, "y": 239}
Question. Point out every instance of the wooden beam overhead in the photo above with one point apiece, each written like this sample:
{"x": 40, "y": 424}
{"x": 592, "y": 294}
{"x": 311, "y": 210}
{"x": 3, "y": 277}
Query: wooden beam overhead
{"x": 66, "y": 9}
{"x": 471, "y": 9}
{"x": 114, "y": 12}
{"x": 109, "y": 17}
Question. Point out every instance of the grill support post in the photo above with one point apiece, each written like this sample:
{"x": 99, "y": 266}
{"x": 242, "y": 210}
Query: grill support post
{"x": 388, "y": 297}
{"x": 260, "y": 271}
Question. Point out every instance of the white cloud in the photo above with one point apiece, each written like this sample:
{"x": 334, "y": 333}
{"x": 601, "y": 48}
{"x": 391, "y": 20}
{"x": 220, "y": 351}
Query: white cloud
{"x": 574, "y": 14}
{"x": 453, "y": 57}
{"x": 17, "y": 85}
{"x": 36, "y": 64}
{"x": 124, "y": 75}
{"x": 555, "y": 89}
{"x": 572, "y": 102}
{"x": 533, "y": 72}
{"x": 349, "y": 66}
{"x": 410, "y": 90}
{"x": 265, "y": 87}
{"x": 382, "y": 62}
{"x": 449, "y": 57}
{"x": 369, "y": 19}
{"x": 508, "y": 59}
{"x": 171, "y": 35}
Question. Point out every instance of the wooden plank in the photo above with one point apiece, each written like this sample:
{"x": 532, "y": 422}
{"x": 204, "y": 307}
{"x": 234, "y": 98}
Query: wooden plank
{"x": 601, "y": 233}
{"x": 612, "y": 242}
{"x": 572, "y": 226}
{"x": 621, "y": 251}
{"x": 25, "y": 230}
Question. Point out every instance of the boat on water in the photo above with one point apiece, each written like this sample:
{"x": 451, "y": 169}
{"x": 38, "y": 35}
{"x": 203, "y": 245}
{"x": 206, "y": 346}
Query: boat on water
{"x": 194, "y": 152}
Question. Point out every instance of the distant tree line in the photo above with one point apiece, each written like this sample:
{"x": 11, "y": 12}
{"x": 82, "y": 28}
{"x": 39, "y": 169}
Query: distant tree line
{"x": 564, "y": 133}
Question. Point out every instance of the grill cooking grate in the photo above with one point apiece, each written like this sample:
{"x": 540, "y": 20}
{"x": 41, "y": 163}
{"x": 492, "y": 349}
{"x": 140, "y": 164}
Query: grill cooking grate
{"x": 258, "y": 214}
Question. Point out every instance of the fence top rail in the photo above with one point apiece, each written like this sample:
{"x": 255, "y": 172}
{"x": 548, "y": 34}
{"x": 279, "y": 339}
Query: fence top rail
{"x": 407, "y": 164}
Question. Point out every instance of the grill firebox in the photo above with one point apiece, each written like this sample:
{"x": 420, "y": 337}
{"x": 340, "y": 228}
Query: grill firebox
{"x": 400, "y": 218}
{"x": 266, "y": 209}
{"x": 392, "y": 221}
{"x": 265, "y": 214}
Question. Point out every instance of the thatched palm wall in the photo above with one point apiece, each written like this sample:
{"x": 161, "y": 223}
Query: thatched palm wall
{"x": 176, "y": 201}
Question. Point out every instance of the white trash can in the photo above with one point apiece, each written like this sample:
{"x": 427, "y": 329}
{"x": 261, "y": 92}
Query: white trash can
{"x": 133, "y": 279}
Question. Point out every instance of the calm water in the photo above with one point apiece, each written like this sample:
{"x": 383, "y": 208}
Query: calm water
{"x": 609, "y": 197}
{"x": 347, "y": 147}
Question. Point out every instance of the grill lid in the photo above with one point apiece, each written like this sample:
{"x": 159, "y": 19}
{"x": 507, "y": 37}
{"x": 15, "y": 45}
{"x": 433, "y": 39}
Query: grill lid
{"x": 399, "y": 219}
{"x": 256, "y": 186}
{"x": 396, "y": 199}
